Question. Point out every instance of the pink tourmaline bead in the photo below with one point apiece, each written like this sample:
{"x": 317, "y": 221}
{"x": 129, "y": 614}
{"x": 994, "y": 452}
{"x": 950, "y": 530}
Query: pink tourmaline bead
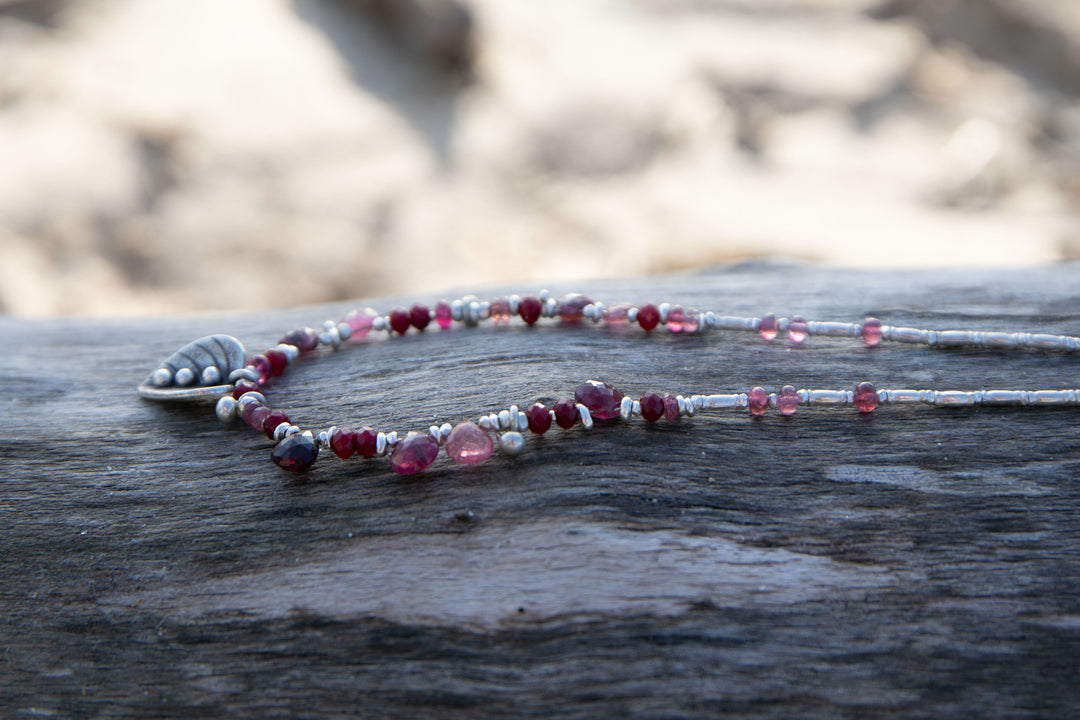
{"x": 566, "y": 413}
{"x": 871, "y": 332}
{"x": 254, "y": 415}
{"x": 360, "y": 321}
{"x": 866, "y": 398}
{"x": 648, "y": 317}
{"x": 757, "y": 401}
{"x": 652, "y": 407}
{"x": 419, "y": 316}
{"x": 691, "y": 321}
{"x": 671, "y": 407}
{"x": 499, "y": 311}
{"x": 341, "y": 442}
{"x": 399, "y": 320}
{"x": 530, "y": 309}
{"x": 443, "y": 315}
{"x": 414, "y": 453}
{"x": 768, "y": 327}
{"x": 797, "y": 330}
{"x": 601, "y": 398}
{"x": 571, "y": 307}
{"x": 675, "y": 319}
{"x": 787, "y": 400}
{"x": 468, "y": 444}
{"x": 539, "y": 418}
{"x": 616, "y": 314}
{"x": 305, "y": 339}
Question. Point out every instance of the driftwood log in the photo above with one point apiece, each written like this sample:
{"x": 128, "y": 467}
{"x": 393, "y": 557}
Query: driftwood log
{"x": 915, "y": 562}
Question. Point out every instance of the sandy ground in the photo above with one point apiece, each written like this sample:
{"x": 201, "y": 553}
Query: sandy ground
{"x": 174, "y": 155}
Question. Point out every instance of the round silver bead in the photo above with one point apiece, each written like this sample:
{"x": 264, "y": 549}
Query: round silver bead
{"x": 184, "y": 376}
{"x": 291, "y": 351}
{"x": 279, "y": 432}
{"x": 344, "y": 331}
{"x": 162, "y": 377}
{"x": 251, "y": 397}
{"x": 211, "y": 376}
{"x": 512, "y": 443}
{"x": 226, "y": 408}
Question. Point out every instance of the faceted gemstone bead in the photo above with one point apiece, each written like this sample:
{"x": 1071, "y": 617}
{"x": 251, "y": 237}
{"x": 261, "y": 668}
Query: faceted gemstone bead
{"x": 566, "y": 413}
{"x": 539, "y": 418}
{"x": 419, "y": 316}
{"x": 768, "y": 327}
{"x": 262, "y": 366}
{"x": 871, "y": 332}
{"x": 244, "y": 386}
{"x": 691, "y": 321}
{"x": 499, "y": 311}
{"x": 255, "y": 415}
{"x": 571, "y": 307}
{"x": 414, "y": 453}
{"x": 797, "y": 330}
{"x": 601, "y": 398}
{"x": 246, "y": 409}
{"x": 341, "y": 442}
{"x": 360, "y": 321}
{"x": 757, "y": 401}
{"x": 530, "y": 308}
{"x": 305, "y": 339}
{"x": 296, "y": 453}
{"x": 365, "y": 440}
{"x": 272, "y": 420}
{"x": 866, "y": 398}
{"x": 278, "y": 361}
{"x": 675, "y": 318}
{"x": 648, "y": 317}
{"x": 616, "y": 314}
{"x": 399, "y": 320}
{"x": 468, "y": 444}
{"x": 443, "y": 314}
{"x": 652, "y": 406}
{"x": 671, "y": 407}
{"x": 787, "y": 400}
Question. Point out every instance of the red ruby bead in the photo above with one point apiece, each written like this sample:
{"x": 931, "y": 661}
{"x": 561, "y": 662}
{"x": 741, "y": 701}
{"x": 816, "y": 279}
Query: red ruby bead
{"x": 499, "y": 311}
{"x": 797, "y": 330}
{"x": 566, "y": 413}
{"x": 866, "y": 398}
{"x": 273, "y": 419}
{"x": 652, "y": 406}
{"x": 787, "y": 400}
{"x": 414, "y": 453}
{"x": 671, "y": 407}
{"x": 360, "y": 321}
{"x": 768, "y": 327}
{"x": 539, "y": 418}
{"x": 399, "y": 320}
{"x": 444, "y": 316}
{"x": 295, "y": 453}
{"x": 419, "y": 316}
{"x": 262, "y": 366}
{"x": 278, "y": 361}
{"x": 757, "y": 401}
{"x": 365, "y": 440}
{"x": 341, "y": 442}
{"x": 871, "y": 332}
{"x": 530, "y": 308}
{"x": 255, "y": 415}
{"x": 648, "y": 317}
{"x": 243, "y": 387}
{"x": 305, "y": 339}
{"x": 601, "y": 398}
{"x": 571, "y": 307}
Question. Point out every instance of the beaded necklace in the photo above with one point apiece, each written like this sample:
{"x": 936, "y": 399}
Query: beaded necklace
{"x": 216, "y": 369}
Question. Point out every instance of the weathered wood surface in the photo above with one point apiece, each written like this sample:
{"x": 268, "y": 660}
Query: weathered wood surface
{"x": 918, "y": 562}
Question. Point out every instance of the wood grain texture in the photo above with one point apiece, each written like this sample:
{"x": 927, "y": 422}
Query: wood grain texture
{"x": 916, "y": 562}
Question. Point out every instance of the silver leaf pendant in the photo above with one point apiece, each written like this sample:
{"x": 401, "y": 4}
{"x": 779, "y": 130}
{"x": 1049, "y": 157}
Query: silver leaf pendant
{"x": 197, "y": 372}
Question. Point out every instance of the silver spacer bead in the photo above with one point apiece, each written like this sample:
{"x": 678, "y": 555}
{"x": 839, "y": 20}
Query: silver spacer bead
{"x": 331, "y": 338}
{"x": 515, "y": 302}
{"x": 380, "y": 444}
{"x": 244, "y": 373}
{"x": 226, "y": 408}
{"x": 484, "y": 422}
{"x": 512, "y": 443}
{"x": 445, "y": 429}
{"x": 392, "y": 439}
{"x": 664, "y": 309}
{"x": 708, "y": 320}
{"x": 514, "y": 415}
{"x": 543, "y": 295}
{"x": 636, "y": 411}
{"x": 291, "y": 351}
{"x": 324, "y": 439}
{"x": 550, "y": 308}
{"x": 434, "y": 434}
{"x": 631, "y": 315}
{"x": 291, "y": 430}
{"x": 585, "y": 417}
{"x": 457, "y": 310}
{"x": 380, "y": 323}
{"x": 162, "y": 377}
{"x": 251, "y": 397}
{"x": 184, "y": 376}
{"x": 504, "y": 420}
{"x": 211, "y": 375}
{"x": 522, "y": 422}
{"x": 626, "y": 408}
{"x": 344, "y": 331}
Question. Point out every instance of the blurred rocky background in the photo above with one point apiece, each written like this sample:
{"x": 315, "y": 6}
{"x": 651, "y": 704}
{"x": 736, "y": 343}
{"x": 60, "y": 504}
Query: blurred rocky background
{"x": 166, "y": 155}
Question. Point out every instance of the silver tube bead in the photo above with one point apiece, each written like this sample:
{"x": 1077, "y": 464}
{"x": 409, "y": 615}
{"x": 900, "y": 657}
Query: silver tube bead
{"x": 826, "y": 397}
{"x": 719, "y": 402}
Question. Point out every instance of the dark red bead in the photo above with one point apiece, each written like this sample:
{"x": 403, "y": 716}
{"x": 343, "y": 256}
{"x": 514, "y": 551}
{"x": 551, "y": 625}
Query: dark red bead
{"x": 419, "y": 316}
{"x": 305, "y": 339}
{"x": 262, "y": 366}
{"x": 275, "y": 418}
{"x": 571, "y": 307}
{"x": 365, "y": 440}
{"x": 648, "y": 317}
{"x": 296, "y": 453}
{"x": 399, "y": 320}
{"x": 652, "y": 406}
{"x": 602, "y": 399}
{"x": 243, "y": 387}
{"x": 278, "y": 361}
{"x": 539, "y": 418}
{"x": 530, "y": 308}
{"x": 566, "y": 413}
{"x": 341, "y": 442}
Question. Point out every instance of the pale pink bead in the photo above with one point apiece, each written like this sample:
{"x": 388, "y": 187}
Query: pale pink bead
{"x": 616, "y": 314}
{"x": 443, "y": 315}
{"x": 499, "y": 310}
{"x": 691, "y": 321}
{"x": 866, "y": 398}
{"x": 768, "y": 327}
{"x": 797, "y": 330}
{"x": 468, "y": 444}
{"x": 359, "y": 321}
{"x": 757, "y": 401}
{"x": 787, "y": 400}
{"x": 676, "y": 318}
{"x": 871, "y": 332}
